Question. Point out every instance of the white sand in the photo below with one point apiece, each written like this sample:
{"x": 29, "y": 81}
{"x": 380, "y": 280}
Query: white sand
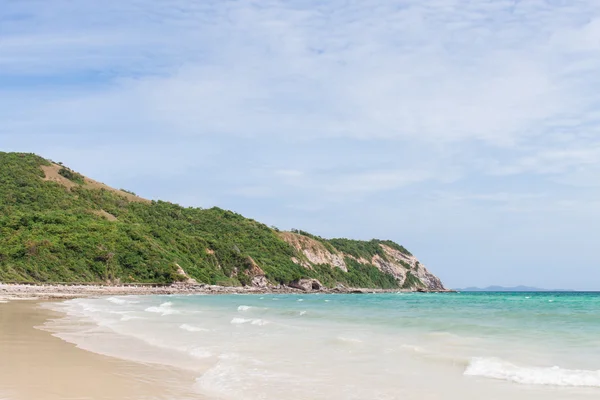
{"x": 34, "y": 365}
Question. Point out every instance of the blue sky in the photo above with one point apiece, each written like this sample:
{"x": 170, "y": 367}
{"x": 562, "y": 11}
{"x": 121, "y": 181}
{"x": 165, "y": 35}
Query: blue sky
{"x": 468, "y": 131}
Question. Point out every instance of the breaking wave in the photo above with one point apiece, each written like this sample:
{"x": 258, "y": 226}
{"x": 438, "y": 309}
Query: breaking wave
{"x": 252, "y": 321}
{"x": 163, "y": 309}
{"x": 192, "y": 328}
{"x": 556, "y": 376}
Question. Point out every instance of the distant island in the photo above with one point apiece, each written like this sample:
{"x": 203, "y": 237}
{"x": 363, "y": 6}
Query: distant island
{"x": 59, "y": 226}
{"x": 510, "y": 289}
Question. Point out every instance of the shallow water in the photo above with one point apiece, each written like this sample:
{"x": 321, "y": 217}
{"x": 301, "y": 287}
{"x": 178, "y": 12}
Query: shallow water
{"x": 380, "y": 346}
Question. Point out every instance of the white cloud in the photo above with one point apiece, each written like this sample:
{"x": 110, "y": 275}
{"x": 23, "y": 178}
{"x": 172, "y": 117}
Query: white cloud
{"x": 374, "y": 181}
{"x": 462, "y": 112}
{"x": 434, "y": 71}
{"x": 292, "y": 173}
{"x": 555, "y": 161}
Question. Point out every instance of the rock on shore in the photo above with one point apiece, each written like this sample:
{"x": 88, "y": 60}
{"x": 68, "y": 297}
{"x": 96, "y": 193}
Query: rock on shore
{"x": 40, "y": 292}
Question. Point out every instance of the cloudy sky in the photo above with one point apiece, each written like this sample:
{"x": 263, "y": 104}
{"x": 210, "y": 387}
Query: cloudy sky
{"x": 467, "y": 130}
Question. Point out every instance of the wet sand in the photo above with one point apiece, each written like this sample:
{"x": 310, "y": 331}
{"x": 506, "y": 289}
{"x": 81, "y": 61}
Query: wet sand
{"x": 34, "y": 365}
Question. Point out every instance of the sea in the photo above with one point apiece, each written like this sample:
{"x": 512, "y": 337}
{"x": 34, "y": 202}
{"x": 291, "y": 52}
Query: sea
{"x": 539, "y": 345}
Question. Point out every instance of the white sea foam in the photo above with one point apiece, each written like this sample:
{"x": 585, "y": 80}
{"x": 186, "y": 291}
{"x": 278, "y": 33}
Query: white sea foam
{"x": 163, "y": 309}
{"x": 556, "y": 376}
{"x": 130, "y": 317}
{"x": 300, "y": 300}
{"x": 252, "y": 321}
{"x": 235, "y": 377}
{"x": 302, "y": 313}
{"x": 413, "y": 348}
{"x": 117, "y": 300}
{"x": 200, "y": 353}
{"x": 120, "y": 312}
{"x": 244, "y": 308}
{"x": 192, "y": 328}
{"x": 349, "y": 340}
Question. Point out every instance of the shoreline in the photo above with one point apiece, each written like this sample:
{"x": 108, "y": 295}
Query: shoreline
{"x": 42, "y": 363}
{"x": 38, "y": 365}
{"x": 9, "y": 291}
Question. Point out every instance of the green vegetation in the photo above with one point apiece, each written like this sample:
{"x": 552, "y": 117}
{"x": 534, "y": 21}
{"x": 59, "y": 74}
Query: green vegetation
{"x": 49, "y": 233}
{"x": 323, "y": 241}
{"x": 71, "y": 175}
{"x": 366, "y": 250}
{"x": 412, "y": 282}
{"x": 358, "y": 275}
{"x": 128, "y": 191}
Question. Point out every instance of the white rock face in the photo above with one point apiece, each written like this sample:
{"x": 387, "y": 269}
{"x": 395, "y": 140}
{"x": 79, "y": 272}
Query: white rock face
{"x": 393, "y": 268}
{"x": 417, "y": 269}
{"x": 260, "y": 281}
{"x": 315, "y": 252}
{"x": 395, "y": 262}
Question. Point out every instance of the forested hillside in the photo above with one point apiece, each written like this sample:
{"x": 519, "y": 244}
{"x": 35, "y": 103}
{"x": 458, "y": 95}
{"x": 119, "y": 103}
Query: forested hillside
{"x": 58, "y": 226}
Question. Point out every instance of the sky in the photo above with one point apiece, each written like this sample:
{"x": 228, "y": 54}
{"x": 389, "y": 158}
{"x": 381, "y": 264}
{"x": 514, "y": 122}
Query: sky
{"x": 466, "y": 130}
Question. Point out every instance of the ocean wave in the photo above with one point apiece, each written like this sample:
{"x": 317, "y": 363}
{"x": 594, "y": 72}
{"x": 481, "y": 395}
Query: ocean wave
{"x": 555, "y": 376}
{"x": 116, "y": 300}
{"x": 120, "y": 312}
{"x": 252, "y": 321}
{"x": 191, "y": 328}
{"x": 348, "y": 340}
{"x": 130, "y": 317}
{"x": 235, "y": 377}
{"x": 163, "y": 309}
{"x": 243, "y": 308}
{"x": 120, "y": 300}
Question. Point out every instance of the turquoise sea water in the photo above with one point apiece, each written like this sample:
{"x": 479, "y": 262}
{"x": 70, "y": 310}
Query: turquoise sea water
{"x": 376, "y": 346}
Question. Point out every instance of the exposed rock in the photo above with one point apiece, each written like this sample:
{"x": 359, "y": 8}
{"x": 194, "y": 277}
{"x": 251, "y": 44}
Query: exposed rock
{"x": 260, "y": 281}
{"x": 186, "y": 277}
{"x": 395, "y": 262}
{"x": 257, "y": 275}
{"x": 389, "y": 267}
{"x": 429, "y": 280}
{"x": 315, "y": 251}
{"x": 305, "y": 264}
{"x": 308, "y": 285}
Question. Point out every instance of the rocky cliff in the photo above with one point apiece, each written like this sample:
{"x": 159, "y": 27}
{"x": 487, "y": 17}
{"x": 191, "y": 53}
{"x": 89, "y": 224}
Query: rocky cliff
{"x": 401, "y": 265}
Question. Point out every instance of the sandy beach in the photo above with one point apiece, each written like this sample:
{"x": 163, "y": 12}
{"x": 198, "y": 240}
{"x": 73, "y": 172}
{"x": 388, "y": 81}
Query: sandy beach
{"x": 34, "y": 365}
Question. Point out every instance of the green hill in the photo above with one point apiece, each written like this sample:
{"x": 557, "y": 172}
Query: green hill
{"x": 58, "y": 226}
